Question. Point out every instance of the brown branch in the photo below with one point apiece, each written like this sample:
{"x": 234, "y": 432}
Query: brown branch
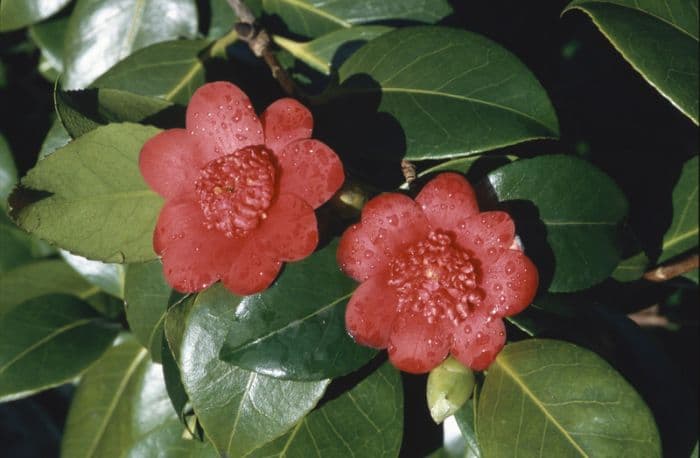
{"x": 675, "y": 269}
{"x": 649, "y": 318}
{"x": 409, "y": 171}
{"x": 259, "y": 43}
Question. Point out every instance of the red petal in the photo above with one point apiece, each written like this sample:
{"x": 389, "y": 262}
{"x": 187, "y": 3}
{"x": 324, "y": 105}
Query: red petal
{"x": 192, "y": 255}
{"x": 284, "y": 121}
{"x": 290, "y": 232}
{"x": 170, "y": 162}
{"x": 389, "y": 223}
{"x": 371, "y": 312}
{"x": 252, "y": 271}
{"x": 478, "y": 340}
{"x": 224, "y": 119}
{"x": 415, "y": 345}
{"x": 486, "y": 234}
{"x": 447, "y": 200}
{"x": 510, "y": 283}
{"x": 311, "y": 170}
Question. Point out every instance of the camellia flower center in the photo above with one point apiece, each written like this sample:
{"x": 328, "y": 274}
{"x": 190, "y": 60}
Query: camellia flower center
{"x": 436, "y": 277}
{"x": 235, "y": 190}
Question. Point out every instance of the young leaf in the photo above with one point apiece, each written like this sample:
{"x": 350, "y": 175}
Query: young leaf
{"x": 48, "y": 341}
{"x": 659, "y": 40}
{"x": 312, "y": 18}
{"x": 453, "y": 93}
{"x": 121, "y": 409}
{"x": 554, "y": 397}
{"x": 304, "y": 310}
{"x": 365, "y": 421}
{"x": 449, "y": 386}
{"x": 683, "y": 233}
{"x": 575, "y": 206}
{"x": 100, "y": 207}
{"x": 239, "y": 410}
{"x": 15, "y": 14}
{"x": 117, "y": 32}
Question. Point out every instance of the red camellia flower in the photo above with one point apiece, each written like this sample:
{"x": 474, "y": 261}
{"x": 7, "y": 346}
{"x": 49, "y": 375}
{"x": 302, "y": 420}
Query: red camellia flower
{"x": 437, "y": 276}
{"x": 240, "y": 190}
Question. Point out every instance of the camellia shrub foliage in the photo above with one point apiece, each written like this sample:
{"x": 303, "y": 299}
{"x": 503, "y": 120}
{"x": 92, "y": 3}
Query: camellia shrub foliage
{"x": 348, "y": 228}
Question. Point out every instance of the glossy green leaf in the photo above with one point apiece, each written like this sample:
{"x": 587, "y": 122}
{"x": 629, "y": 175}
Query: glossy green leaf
{"x": 683, "y": 233}
{"x": 453, "y": 93}
{"x": 39, "y": 278}
{"x": 121, "y": 409}
{"x": 548, "y": 396}
{"x": 85, "y": 110}
{"x": 222, "y": 18}
{"x": 56, "y": 138}
{"x": 173, "y": 382}
{"x": 147, "y": 297}
{"x": 16, "y": 246}
{"x": 659, "y": 39}
{"x": 303, "y": 310}
{"x": 47, "y": 341}
{"x": 108, "y": 277}
{"x": 15, "y": 14}
{"x": 632, "y": 268}
{"x": 466, "y": 422}
{"x": 116, "y": 29}
{"x": 171, "y": 70}
{"x": 365, "y": 421}
{"x": 239, "y": 410}
{"x": 100, "y": 207}
{"x": 329, "y": 51}
{"x": 312, "y": 18}
{"x": 575, "y": 206}
{"x": 8, "y": 172}
{"x": 49, "y": 37}
{"x": 449, "y": 386}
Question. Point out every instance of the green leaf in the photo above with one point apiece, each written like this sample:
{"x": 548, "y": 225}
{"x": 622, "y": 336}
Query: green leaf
{"x": 47, "y": 341}
{"x": 8, "y": 172}
{"x": 552, "y": 396}
{"x": 449, "y": 386}
{"x": 121, "y": 409}
{"x": 39, "y": 278}
{"x": 100, "y": 207}
{"x": 312, "y": 18}
{"x": 49, "y": 37}
{"x": 660, "y": 41}
{"x": 222, "y": 18}
{"x": 171, "y": 70}
{"x": 365, "y": 421}
{"x": 575, "y": 206}
{"x": 15, "y": 14}
{"x": 117, "y": 31}
{"x": 466, "y": 421}
{"x": 108, "y": 277}
{"x": 329, "y": 51}
{"x": 304, "y": 310}
{"x": 683, "y": 233}
{"x": 239, "y": 410}
{"x": 632, "y": 268}
{"x": 147, "y": 297}
{"x": 173, "y": 382}
{"x": 453, "y": 93}
{"x": 693, "y": 276}
{"x": 85, "y": 110}
{"x": 16, "y": 246}
{"x": 56, "y": 138}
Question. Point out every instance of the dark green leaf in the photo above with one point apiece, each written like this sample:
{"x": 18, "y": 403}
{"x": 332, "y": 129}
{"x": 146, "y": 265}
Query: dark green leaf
{"x": 100, "y": 207}
{"x": 683, "y": 233}
{"x": 313, "y": 18}
{"x": 222, "y": 18}
{"x": 49, "y": 37}
{"x": 329, "y": 51}
{"x": 692, "y": 276}
{"x": 147, "y": 297}
{"x": 552, "y": 397}
{"x": 632, "y": 268}
{"x": 172, "y": 71}
{"x": 15, "y": 14}
{"x": 108, "y": 277}
{"x": 365, "y": 421}
{"x": 303, "y": 310}
{"x": 48, "y": 341}
{"x": 39, "y": 278}
{"x": 121, "y": 409}
{"x": 117, "y": 30}
{"x": 16, "y": 246}
{"x": 453, "y": 93}
{"x": 85, "y": 110}
{"x": 575, "y": 206}
{"x": 8, "y": 172}
{"x": 173, "y": 381}
{"x": 239, "y": 410}
{"x": 660, "y": 41}
{"x": 466, "y": 421}
{"x": 57, "y": 137}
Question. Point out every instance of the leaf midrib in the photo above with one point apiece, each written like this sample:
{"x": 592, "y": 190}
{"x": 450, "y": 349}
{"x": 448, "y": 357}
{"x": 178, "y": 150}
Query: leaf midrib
{"x": 57, "y": 198}
{"x": 305, "y": 6}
